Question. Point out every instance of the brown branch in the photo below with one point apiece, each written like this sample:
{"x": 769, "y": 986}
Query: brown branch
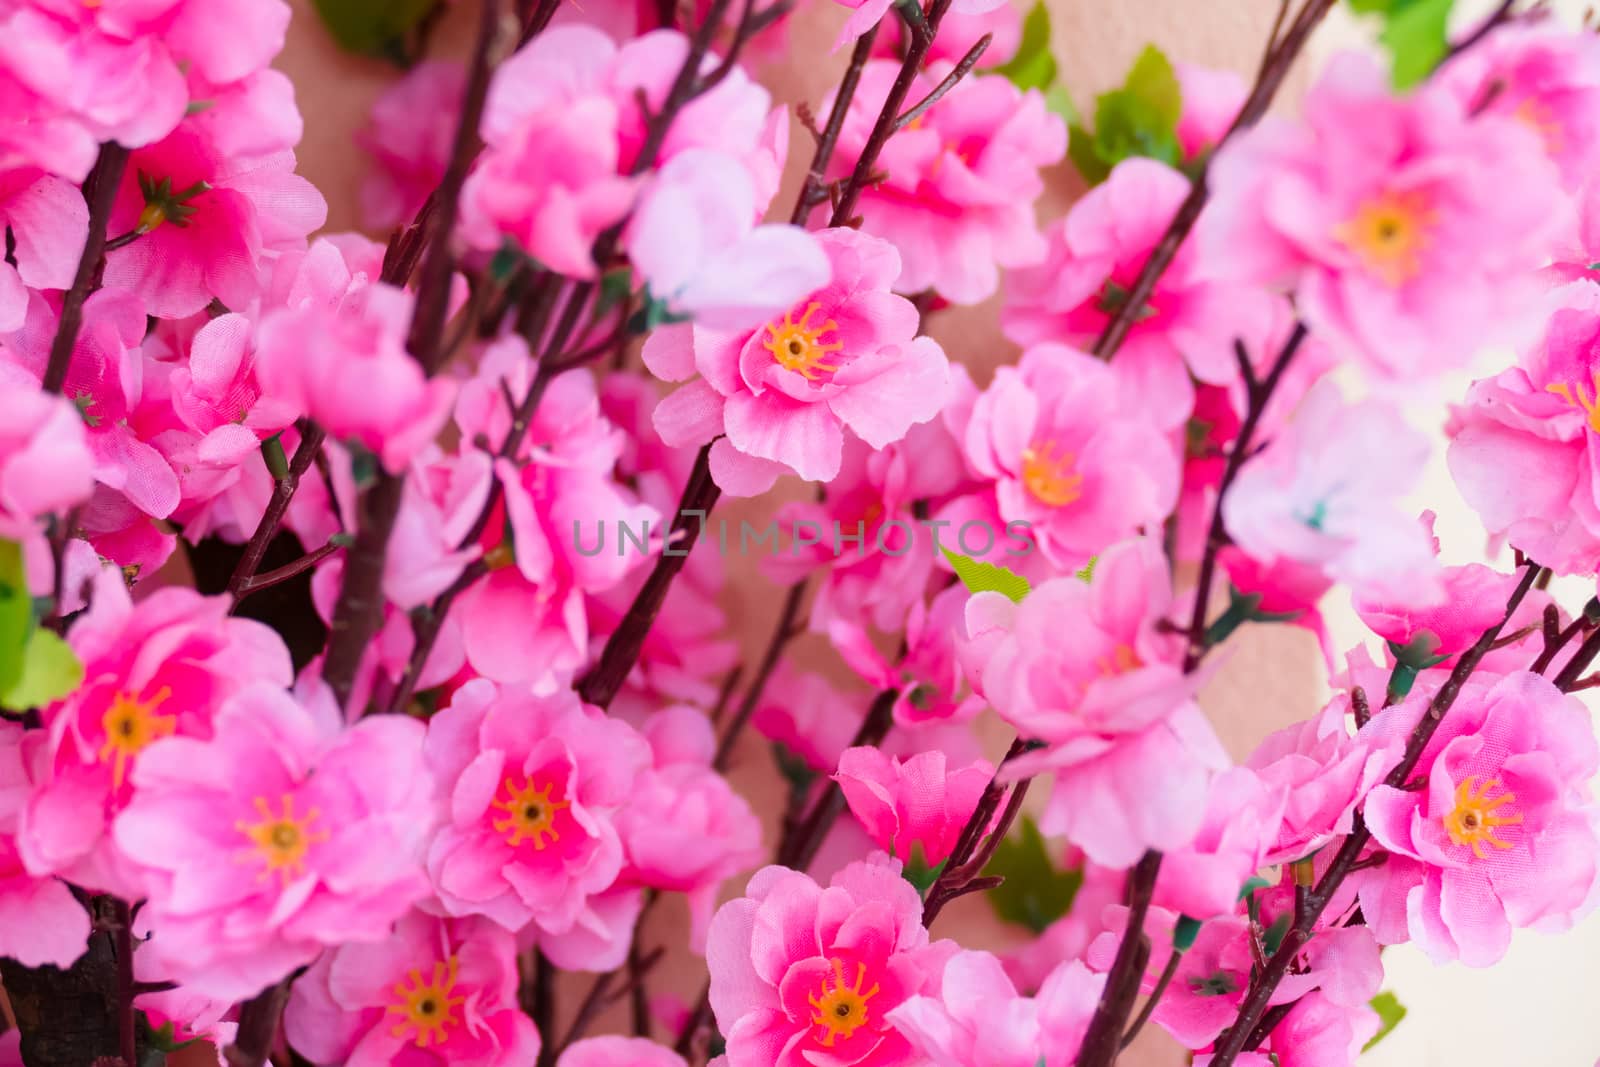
{"x": 814, "y": 191}
{"x": 967, "y": 860}
{"x": 283, "y": 490}
{"x": 101, "y": 191}
{"x": 258, "y": 1026}
{"x": 127, "y": 1031}
{"x": 1154, "y": 1000}
{"x": 289, "y": 570}
{"x": 798, "y": 851}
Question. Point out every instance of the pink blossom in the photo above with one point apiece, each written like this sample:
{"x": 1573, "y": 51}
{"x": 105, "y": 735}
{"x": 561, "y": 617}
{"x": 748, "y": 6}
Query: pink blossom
{"x": 1387, "y": 217}
{"x": 1286, "y": 587}
{"x": 1211, "y": 101}
{"x": 45, "y": 463}
{"x": 619, "y": 1052}
{"x": 350, "y": 371}
{"x": 805, "y": 975}
{"x": 1501, "y": 836}
{"x": 684, "y": 829}
{"x": 978, "y": 1017}
{"x": 48, "y": 221}
{"x": 409, "y": 136}
{"x": 805, "y": 714}
{"x": 1522, "y": 445}
{"x": 533, "y": 785}
{"x": 1318, "y": 1032}
{"x": 1243, "y": 816}
{"x": 1084, "y": 667}
{"x": 866, "y": 14}
{"x": 283, "y": 833}
{"x": 959, "y": 31}
{"x": 847, "y": 356}
{"x": 40, "y": 920}
{"x": 435, "y": 991}
{"x": 1068, "y": 455}
{"x": 958, "y": 200}
{"x": 157, "y": 669}
{"x": 1326, "y": 494}
{"x": 1094, "y": 256}
{"x": 914, "y": 804}
{"x": 1472, "y": 598}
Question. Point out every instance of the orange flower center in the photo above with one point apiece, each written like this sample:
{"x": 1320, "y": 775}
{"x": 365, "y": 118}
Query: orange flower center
{"x": 282, "y": 838}
{"x": 1048, "y": 474}
{"x": 1389, "y": 233}
{"x": 1476, "y": 816}
{"x": 1573, "y": 394}
{"x": 798, "y": 346}
{"x": 840, "y": 1009}
{"x": 427, "y": 1008}
{"x": 530, "y": 814}
{"x": 130, "y": 724}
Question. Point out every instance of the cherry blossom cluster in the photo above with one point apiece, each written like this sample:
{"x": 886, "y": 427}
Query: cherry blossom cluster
{"x": 371, "y": 693}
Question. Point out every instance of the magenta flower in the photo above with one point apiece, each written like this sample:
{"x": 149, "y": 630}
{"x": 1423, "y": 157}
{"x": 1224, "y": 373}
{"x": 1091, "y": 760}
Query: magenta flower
{"x": 158, "y": 669}
{"x": 532, "y": 786}
{"x": 433, "y": 992}
{"x": 1243, "y": 816}
{"x": 45, "y": 463}
{"x": 409, "y": 136}
{"x": 912, "y": 804}
{"x": 847, "y": 356}
{"x": 1501, "y": 836}
{"x": 40, "y": 920}
{"x": 977, "y": 1016}
{"x": 1387, "y": 217}
{"x": 282, "y": 834}
{"x": 805, "y": 976}
{"x": 1069, "y": 455}
{"x": 47, "y": 219}
{"x": 958, "y": 200}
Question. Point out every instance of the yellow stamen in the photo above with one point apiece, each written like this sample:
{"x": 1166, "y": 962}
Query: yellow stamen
{"x": 1121, "y": 660}
{"x": 1572, "y": 393}
{"x": 1538, "y": 115}
{"x": 1048, "y": 474}
{"x": 1475, "y": 817}
{"x": 798, "y": 346}
{"x": 428, "y": 1008}
{"x": 281, "y": 838}
{"x": 130, "y": 725}
{"x": 841, "y": 1010}
{"x": 530, "y": 813}
{"x": 1389, "y": 233}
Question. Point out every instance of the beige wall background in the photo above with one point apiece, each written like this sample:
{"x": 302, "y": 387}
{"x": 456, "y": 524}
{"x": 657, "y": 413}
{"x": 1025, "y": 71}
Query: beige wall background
{"x": 1536, "y": 1007}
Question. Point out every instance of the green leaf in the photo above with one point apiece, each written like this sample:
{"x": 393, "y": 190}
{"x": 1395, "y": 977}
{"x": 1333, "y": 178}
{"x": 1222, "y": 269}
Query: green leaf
{"x": 50, "y": 670}
{"x": 615, "y": 286}
{"x": 987, "y": 577}
{"x": 16, "y": 613}
{"x": 919, "y": 873}
{"x": 1390, "y": 1012}
{"x": 1059, "y": 102}
{"x": 371, "y": 27}
{"x": 1184, "y": 933}
{"x": 505, "y": 261}
{"x": 1126, "y": 124}
{"x": 1152, "y": 80}
{"x": 1085, "y": 154}
{"x": 1416, "y": 35}
{"x": 1034, "y": 65}
{"x": 1272, "y": 939}
{"x": 1242, "y": 608}
{"x": 1034, "y": 893}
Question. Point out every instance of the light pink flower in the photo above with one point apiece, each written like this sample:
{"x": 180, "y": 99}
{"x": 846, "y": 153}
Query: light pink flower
{"x": 1084, "y": 668}
{"x": 532, "y": 786}
{"x": 1327, "y": 491}
{"x": 48, "y": 221}
{"x": 1472, "y": 599}
{"x": 409, "y": 135}
{"x": 958, "y": 200}
{"x": 804, "y": 713}
{"x": 157, "y": 669}
{"x": 978, "y": 1017}
{"x": 805, "y": 976}
{"x": 1243, "y": 815}
{"x": 619, "y": 1052}
{"x": 282, "y": 834}
{"x": 1523, "y": 447}
{"x": 45, "y": 463}
{"x": 1387, "y": 217}
{"x": 847, "y": 356}
{"x": 684, "y": 829}
{"x": 1094, "y": 256}
{"x": 1069, "y": 456}
{"x": 1211, "y": 101}
{"x": 694, "y": 240}
{"x": 914, "y": 804}
{"x": 40, "y": 920}
{"x": 1502, "y": 835}
{"x": 434, "y": 992}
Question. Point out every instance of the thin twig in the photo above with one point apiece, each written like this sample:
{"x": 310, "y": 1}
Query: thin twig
{"x": 1154, "y": 1000}
{"x": 101, "y": 192}
{"x": 283, "y": 491}
{"x": 289, "y": 570}
{"x": 937, "y": 93}
{"x": 782, "y": 633}
{"x": 798, "y": 851}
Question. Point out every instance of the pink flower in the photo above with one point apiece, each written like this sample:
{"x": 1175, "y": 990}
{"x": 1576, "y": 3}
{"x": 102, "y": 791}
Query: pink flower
{"x": 1501, "y": 836}
{"x": 805, "y": 714}
{"x": 532, "y": 786}
{"x": 694, "y": 240}
{"x": 1242, "y": 818}
{"x": 803, "y": 976}
{"x": 1081, "y": 466}
{"x": 959, "y": 31}
{"x": 434, "y": 992}
{"x": 1522, "y": 447}
{"x": 205, "y": 230}
{"x": 1542, "y": 75}
{"x": 1211, "y": 101}
{"x": 619, "y": 1052}
{"x": 958, "y": 200}
{"x": 866, "y": 14}
{"x": 40, "y": 920}
{"x": 684, "y": 829}
{"x": 1084, "y": 668}
{"x": 157, "y": 669}
{"x": 45, "y": 463}
{"x": 282, "y": 834}
{"x": 910, "y": 805}
{"x": 1387, "y": 217}
{"x": 1326, "y": 494}
{"x": 409, "y": 136}
{"x": 47, "y": 220}
{"x": 1318, "y": 1032}
{"x": 1094, "y": 256}
{"x": 847, "y": 356}
{"x": 1472, "y": 599}
{"x": 349, "y": 370}
{"x": 978, "y": 1017}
